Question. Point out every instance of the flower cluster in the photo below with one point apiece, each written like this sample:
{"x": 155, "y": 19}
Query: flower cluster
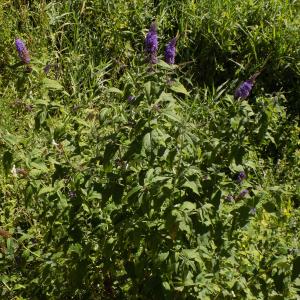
{"x": 170, "y": 51}
{"x": 151, "y": 44}
{"x": 244, "y": 90}
{"x": 243, "y": 193}
{"x": 241, "y": 176}
{"x": 229, "y": 198}
{"x": 22, "y": 51}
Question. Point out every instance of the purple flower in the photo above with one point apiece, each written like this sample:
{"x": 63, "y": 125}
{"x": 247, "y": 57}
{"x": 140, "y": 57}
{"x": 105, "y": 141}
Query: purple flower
{"x": 243, "y": 193}
{"x": 241, "y": 176}
{"x": 22, "y": 51}
{"x": 151, "y": 43}
{"x": 170, "y": 51}
{"x": 47, "y": 68}
{"x": 72, "y": 194}
{"x": 243, "y": 91}
{"x": 29, "y": 107}
{"x": 130, "y": 98}
{"x": 229, "y": 198}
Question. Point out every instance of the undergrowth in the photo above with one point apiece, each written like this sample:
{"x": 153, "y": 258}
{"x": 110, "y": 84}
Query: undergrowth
{"x": 124, "y": 180}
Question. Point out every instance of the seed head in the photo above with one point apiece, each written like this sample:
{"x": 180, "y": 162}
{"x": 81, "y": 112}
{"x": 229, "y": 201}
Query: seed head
{"x": 22, "y": 51}
{"x": 4, "y": 233}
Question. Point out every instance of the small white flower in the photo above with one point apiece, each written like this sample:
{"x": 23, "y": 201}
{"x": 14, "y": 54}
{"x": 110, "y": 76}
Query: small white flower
{"x": 54, "y": 143}
{"x": 14, "y": 171}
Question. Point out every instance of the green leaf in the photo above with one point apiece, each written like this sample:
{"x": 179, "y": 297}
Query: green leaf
{"x": 269, "y": 207}
{"x": 171, "y": 115}
{"x": 51, "y": 84}
{"x": 11, "y": 139}
{"x": 7, "y": 160}
{"x": 164, "y": 65}
{"x": 147, "y": 142}
{"x": 148, "y": 89}
{"x": 297, "y": 282}
{"x": 45, "y": 190}
{"x": 166, "y": 286}
{"x": 191, "y": 253}
{"x": 179, "y": 88}
{"x": 115, "y": 90}
{"x": 159, "y": 179}
{"x": 163, "y": 256}
{"x": 63, "y": 203}
{"x": 166, "y": 97}
{"x": 110, "y": 151}
{"x": 39, "y": 166}
{"x": 188, "y": 206}
{"x": 282, "y": 263}
{"x": 192, "y": 185}
{"x": 133, "y": 191}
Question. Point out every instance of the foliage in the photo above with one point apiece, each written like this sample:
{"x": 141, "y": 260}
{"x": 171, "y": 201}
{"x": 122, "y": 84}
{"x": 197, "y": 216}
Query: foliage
{"x": 119, "y": 180}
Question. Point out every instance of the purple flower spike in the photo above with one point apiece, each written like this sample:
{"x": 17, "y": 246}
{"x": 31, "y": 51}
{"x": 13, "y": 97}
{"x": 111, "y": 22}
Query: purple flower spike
{"x": 151, "y": 43}
{"x": 241, "y": 176}
{"x": 22, "y": 51}
{"x": 170, "y": 51}
{"x": 243, "y": 91}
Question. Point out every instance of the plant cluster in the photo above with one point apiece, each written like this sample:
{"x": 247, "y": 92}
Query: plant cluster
{"x": 126, "y": 178}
